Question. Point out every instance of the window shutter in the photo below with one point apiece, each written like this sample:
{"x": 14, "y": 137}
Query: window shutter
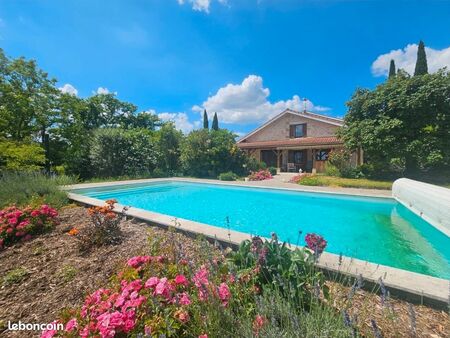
{"x": 292, "y": 131}
{"x": 304, "y": 130}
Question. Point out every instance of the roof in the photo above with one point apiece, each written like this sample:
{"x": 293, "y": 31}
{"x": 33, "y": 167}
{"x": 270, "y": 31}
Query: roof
{"x": 318, "y": 117}
{"x": 302, "y": 141}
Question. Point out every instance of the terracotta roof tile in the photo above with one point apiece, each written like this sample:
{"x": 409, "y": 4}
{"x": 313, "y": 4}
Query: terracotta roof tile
{"x": 303, "y": 141}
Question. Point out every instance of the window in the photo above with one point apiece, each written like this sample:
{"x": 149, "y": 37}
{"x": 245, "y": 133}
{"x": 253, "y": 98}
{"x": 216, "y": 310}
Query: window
{"x": 297, "y": 130}
{"x": 322, "y": 155}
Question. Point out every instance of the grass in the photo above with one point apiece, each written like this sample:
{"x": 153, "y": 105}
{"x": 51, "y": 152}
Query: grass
{"x": 15, "y": 276}
{"x": 331, "y": 181}
{"x": 25, "y": 188}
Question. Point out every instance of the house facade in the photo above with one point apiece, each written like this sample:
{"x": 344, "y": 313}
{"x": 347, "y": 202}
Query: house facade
{"x": 296, "y": 140}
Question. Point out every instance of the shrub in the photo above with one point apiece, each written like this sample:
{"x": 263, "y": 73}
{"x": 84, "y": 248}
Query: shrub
{"x": 207, "y": 153}
{"x": 260, "y": 175}
{"x": 22, "y": 224}
{"x": 104, "y": 228}
{"x": 118, "y": 152}
{"x": 24, "y": 188}
{"x": 163, "y": 295}
{"x": 21, "y": 156}
{"x": 331, "y": 170}
{"x": 273, "y": 171}
{"x": 228, "y": 176}
{"x": 290, "y": 271}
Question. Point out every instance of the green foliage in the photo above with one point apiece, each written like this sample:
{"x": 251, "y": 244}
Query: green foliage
{"x": 228, "y": 176}
{"x": 21, "y": 156}
{"x": 403, "y": 125}
{"x": 24, "y": 188}
{"x": 15, "y": 276}
{"x": 392, "y": 69}
{"x": 208, "y": 153}
{"x": 168, "y": 142}
{"x": 67, "y": 273}
{"x": 272, "y": 170}
{"x": 117, "y": 152}
{"x": 421, "y": 62}
{"x": 205, "y": 120}
{"x": 330, "y": 181}
{"x": 292, "y": 272}
{"x": 215, "y": 122}
{"x": 331, "y": 170}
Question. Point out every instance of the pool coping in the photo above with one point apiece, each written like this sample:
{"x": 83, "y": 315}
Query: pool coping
{"x": 411, "y": 286}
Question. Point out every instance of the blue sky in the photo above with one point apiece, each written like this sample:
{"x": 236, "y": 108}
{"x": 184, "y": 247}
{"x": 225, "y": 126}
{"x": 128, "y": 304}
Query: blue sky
{"x": 245, "y": 59}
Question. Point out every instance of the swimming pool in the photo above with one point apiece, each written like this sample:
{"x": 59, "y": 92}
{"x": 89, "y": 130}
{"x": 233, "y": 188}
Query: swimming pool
{"x": 378, "y": 230}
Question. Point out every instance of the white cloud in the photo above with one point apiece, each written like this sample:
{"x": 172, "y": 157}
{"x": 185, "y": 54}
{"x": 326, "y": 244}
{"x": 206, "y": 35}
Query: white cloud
{"x": 103, "y": 90}
{"x": 406, "y": 59}
{"x": 181, "y": 121}
{"x": 248, "y": 103}
{"x": 68, "y": 89}
{"x": 201, "y": 5}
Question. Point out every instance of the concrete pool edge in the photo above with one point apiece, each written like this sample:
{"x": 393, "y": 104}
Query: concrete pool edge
{"x": 414, "y": 287}
{"x": 386, "y": 194}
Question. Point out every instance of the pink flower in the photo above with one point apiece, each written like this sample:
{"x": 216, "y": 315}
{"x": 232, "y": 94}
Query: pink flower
{"x": 50, "y": 332}
{"x": 163, "y": 288}
{"x": 316, "y": 243}
{"x": 203, "y": 336}
{"x": 258, "y": 323}
{"x": 184, "y": 299}
{"x": 224, "y": 293}
{"x": 201, "y": 277}
{"x": 138, "y": 261}
{"x": 181, "y": 280}
{"x": 151, "y": 282}
{"x": 71, "y": 324}
{"x": 13, "y": 221}
{"x": 35, "y": 213}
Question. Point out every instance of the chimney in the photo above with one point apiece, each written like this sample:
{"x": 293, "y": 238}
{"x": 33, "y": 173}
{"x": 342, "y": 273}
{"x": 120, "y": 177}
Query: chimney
{"x": 305, "y": 101}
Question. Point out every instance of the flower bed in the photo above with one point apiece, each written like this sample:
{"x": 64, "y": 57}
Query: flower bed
{"x": 22, "y": 224}
{"x": 260, "y": 175}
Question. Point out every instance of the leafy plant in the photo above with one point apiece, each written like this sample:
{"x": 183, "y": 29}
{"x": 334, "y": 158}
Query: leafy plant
{"x": 15, "y": 276}
{"x": 104, "y": 228}
{"x": 22, "y": 224}
{"x": 24, "y": 188}
{"x": 273, "y": 171}
{"x": 275, "y": 264}
{"x": 228, "y": 176}
{"x": 260, "y": 175}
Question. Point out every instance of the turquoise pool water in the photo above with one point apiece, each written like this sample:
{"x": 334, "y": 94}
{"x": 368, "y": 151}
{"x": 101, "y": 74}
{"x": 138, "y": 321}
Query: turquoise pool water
{"x": 373, "y": 229}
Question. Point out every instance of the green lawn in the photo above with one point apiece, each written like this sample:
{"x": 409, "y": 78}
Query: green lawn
{"x": 331, "y": 181}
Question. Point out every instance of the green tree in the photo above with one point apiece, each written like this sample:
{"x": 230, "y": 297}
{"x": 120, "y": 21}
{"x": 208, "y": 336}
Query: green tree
{"x": 169, "y": 140}
{"x": 403, "y": 125}
{"x": 392, "y": 69}
{"x": 208, "y": 153}
{"x": 421, "y": 62}
{"x": 23, "y": 156}
{"x": 205, "y": 120}
{"x": 117, "y": 152}
{"x": 215, "y": 123}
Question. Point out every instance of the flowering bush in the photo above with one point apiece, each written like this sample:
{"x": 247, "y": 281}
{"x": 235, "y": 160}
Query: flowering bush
{"x": 316, "y": 243}
{"x": 160, "y": 295}
{"x": 104, "y": 229}
{"x": 298, "y": 178}
{"x": 21, "y": 224}
{"x": 260, "y": 175}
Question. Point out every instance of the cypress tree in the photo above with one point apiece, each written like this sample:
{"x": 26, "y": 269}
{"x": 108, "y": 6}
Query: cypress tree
{"x": 421, "y": 63}
{"x": 215, "y": 123}
{"x": 392, "y": 69}
{"x": 205, "y": 120}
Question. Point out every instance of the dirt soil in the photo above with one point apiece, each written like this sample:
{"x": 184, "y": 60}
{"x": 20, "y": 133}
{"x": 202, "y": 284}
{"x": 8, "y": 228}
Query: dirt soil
{"x": 55, "y": 275}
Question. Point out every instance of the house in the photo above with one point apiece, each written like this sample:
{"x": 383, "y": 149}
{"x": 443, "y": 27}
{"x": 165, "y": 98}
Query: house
{"x": 296, "y": 140}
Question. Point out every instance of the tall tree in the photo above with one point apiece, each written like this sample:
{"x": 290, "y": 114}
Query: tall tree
{"x": 205, "y": 120}
{"x": 392, "y": 69}
{"x": 421, "y": 63}
{"x": 215, "y": 123}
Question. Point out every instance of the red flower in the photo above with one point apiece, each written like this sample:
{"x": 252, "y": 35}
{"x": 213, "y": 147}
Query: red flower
{"x": 316, "y": 243}
{"x": 181, "y": 280}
